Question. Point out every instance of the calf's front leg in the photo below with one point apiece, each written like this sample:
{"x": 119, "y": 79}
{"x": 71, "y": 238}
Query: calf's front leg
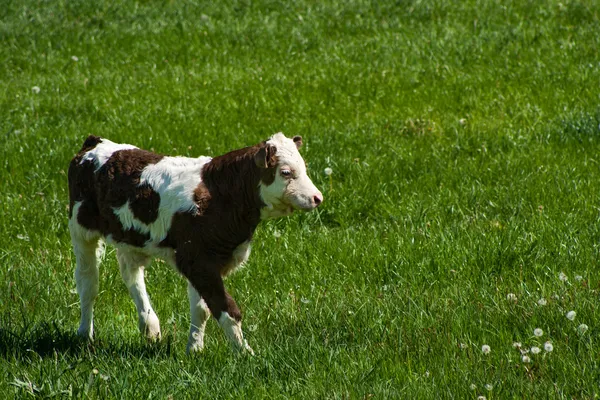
{"x": 222, "y": 306}
{"x": 200, "y": 313}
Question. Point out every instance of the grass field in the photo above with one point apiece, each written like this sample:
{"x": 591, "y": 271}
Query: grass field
{"x": 464, "y": 139}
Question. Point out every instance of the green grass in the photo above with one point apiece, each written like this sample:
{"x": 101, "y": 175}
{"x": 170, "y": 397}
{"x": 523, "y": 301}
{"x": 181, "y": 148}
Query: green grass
{"x": 464, "y": 140}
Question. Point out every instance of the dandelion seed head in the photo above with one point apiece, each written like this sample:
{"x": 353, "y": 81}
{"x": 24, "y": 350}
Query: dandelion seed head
{"x": 328, "y": 171}
{"x": 571, "y": 315}
{"x": 578, "y": 278}
{"x": 538, "y": 332}
{"x": 473, "y": 386}
{"x": 563, "y": 277}
{"x": 511, "y": 297}
{"x": 35, "y": 89}
{"x": 517, "y": 345}
{"x": 462, "y": 121}
{"x": 526, "y": 359}
{"x": 464, "y": 345}
{"x": 485, "y": 349}
{"x": 582, "y": 328}
{"x": 548, "y": 347}
{"x": 277, "y": 234}
{"x": 489, "y": 387}
{"x": 481, "y": 398}
{"x": 75, "y": 58}
{"x": 542, "y": 302}
{"x": 535, "y": 350}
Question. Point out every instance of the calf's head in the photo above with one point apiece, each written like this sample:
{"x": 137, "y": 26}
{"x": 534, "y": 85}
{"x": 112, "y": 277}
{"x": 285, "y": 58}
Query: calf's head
{"x": 285, "y": 185}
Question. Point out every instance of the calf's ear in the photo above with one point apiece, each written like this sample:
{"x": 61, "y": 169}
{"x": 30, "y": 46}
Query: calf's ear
{"x": 298, "y": 141}
{"x": 266, "y": 157}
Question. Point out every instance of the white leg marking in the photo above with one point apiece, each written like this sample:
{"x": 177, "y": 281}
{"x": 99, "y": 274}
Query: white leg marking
{"x": 87, "y": 252}
{"x": 233, "y": 331}
{"x": 200, "y": 314}
{"x": 132, "y": 265}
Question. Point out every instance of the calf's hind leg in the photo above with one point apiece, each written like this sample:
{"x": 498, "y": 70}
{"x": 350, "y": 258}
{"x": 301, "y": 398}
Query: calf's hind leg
{"x": 132, "y": 265}
{"x": 86, "y": 279}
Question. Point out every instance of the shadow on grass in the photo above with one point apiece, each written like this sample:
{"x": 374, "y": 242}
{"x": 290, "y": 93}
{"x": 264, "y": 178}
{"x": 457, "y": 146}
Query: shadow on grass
{"x": 46, "y": 339}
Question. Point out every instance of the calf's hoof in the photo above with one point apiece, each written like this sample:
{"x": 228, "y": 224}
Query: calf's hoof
{"x": 150, "y": 327}
{"x": 245, "y": 349}
{"x": 85, "y": 333}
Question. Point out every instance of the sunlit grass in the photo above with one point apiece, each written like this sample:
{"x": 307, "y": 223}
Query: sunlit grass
{"x": 456, "y": 145}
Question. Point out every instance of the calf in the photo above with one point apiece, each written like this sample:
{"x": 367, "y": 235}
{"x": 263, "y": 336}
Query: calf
{"x": 198, "y": 214}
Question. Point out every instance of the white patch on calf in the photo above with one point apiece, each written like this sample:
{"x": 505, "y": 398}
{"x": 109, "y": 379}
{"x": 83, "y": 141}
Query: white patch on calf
{"x": 174, "y": 179}
{"x": 285, "y": 195}
{"x": 239, "y": 257}
{"x": 103, "y": 151}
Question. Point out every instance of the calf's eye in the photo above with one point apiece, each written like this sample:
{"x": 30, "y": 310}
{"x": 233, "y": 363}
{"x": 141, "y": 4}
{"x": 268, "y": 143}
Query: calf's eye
{"x": 286, "y": 172}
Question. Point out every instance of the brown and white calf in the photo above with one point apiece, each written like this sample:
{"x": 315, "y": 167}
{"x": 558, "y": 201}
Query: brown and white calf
{"x": 198, "y": 214}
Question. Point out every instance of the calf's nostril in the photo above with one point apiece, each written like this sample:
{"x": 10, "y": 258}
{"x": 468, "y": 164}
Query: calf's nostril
{"x": 318, "y": 200}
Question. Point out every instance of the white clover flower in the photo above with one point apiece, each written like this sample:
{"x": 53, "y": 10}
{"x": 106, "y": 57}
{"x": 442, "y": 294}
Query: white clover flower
{"x": 511, "y": 297}
{"x": 35, "y": 89}
{"x": 485, "y": 349}
{"x": 473, "y": 386}
{"x": 526, "y": 359}
{"x": 481, "y": 398}
{"x": 462, "y": 121}
{"x": 277, "y": 234}
{"x": 548, "y": 347}
{"x": 328, "y": 171}
{"x": 578, "y": 278}
{"x": 542, "y": 302}
{"x": 582, "y": 328}
{"x": 571, "y": 315}
{"x": 489, "y": 387}
{"x": 75, "y": 58}
{"x": 535, "y": 350}
{"x": 517, "y": 345}
{"x": 538, "y": 332}
{"x": 563, "y": 277}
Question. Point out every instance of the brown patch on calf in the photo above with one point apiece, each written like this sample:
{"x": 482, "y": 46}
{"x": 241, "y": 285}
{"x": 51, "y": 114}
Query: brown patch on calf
{"x": 111, "y": 186}
{"x": 298, "y": 141}
{"x": 145, "y": 204}
{"x": 79, "y": 175}
{"x": 266, "y": 159}
{"x": 228, "y": 212}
